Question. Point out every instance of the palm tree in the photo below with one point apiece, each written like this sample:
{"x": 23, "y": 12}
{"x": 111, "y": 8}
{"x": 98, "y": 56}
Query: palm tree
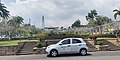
{"x": 18, "y": 20}
{"x": 3, "y": 12}
{"x": 117, "y": 12}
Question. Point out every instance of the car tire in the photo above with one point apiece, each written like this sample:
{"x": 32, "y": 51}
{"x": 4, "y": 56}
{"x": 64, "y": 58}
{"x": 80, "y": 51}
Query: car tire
{"x": 53, "y": 53}
{"x": 83, "y": 52}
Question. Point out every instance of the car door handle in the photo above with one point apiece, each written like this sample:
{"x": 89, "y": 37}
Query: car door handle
{"x": 80, "y": 45}
{"x": 69, "y": 45}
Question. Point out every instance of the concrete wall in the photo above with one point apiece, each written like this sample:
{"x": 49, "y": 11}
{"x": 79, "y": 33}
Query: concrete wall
{"x": 8, "y": 50}
{"x": 13, "y": 50}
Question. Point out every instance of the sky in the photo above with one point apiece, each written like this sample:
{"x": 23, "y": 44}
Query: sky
{"x": 59, "y": 12}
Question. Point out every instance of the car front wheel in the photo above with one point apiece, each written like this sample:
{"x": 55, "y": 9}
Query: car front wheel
{"x": 53, "y": 53}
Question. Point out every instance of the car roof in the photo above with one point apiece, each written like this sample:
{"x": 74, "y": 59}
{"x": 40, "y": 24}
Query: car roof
{"x": 76, "y": 38}
{"x": 72, "y": 38}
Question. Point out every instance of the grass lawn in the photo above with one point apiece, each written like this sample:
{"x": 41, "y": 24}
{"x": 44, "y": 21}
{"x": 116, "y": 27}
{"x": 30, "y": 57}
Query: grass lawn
{"x": 12, "y": 42}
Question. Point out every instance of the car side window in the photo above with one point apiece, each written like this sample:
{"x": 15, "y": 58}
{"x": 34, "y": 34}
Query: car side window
{"x": 75, "y": 41}
{"x": 66, "y": 41}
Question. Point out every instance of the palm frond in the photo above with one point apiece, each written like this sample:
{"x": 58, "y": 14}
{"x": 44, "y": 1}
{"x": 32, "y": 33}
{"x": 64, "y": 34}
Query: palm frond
{"x": 4, "y": 13}
{"x": 115, "y": 10}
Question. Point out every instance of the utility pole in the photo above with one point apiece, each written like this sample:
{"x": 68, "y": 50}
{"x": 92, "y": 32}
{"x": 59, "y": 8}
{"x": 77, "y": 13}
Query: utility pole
{"x": 34, "y": 22}
{"x": 29, "y": 21}
{"x": 43, "y": 25}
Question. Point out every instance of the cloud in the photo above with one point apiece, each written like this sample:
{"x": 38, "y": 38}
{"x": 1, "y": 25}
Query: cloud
{"x": 8, "y": 1}
{"x": 60, "y": 12}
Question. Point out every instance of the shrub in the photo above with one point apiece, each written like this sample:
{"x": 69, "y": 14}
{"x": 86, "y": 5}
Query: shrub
{"x": 43, "y": 34}
{"x": 99, "y": 43}
{"x": 92, "y": 36}
{"x": 39, "y": 45}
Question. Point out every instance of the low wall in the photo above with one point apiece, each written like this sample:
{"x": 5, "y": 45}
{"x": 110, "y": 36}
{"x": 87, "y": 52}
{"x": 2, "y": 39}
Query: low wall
{"x": 89, "y": 41}
{"x": 49, "y": 42}
{"x": 113, "y": 41}
{"x": 13, "y": 50}
{"x": 8, "y": 50}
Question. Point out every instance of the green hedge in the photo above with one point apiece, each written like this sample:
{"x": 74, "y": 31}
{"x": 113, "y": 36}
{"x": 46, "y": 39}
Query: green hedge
{"x": 106, "y": 35}
{"x": 102, "y": 36}
{"x": 85, "y": 36}
{"x": 4, "y": 39}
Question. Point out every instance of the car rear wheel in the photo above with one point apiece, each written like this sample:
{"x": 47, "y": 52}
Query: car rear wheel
{"x": 83, "y": 52}
{"x": 54, "y": 53}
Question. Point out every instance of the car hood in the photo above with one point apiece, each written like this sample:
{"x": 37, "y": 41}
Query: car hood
{"x": 52, "y": 45}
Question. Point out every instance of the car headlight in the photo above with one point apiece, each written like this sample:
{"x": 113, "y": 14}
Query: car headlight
{"x": 47, "y": 47}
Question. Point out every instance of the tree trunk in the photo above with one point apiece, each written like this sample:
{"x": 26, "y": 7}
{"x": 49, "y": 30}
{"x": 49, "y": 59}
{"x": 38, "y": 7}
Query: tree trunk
{"x": 9, "y": 36}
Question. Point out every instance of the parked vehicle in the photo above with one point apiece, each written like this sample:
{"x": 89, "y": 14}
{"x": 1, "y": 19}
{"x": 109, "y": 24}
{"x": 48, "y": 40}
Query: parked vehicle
{"x": 68, "y": 46}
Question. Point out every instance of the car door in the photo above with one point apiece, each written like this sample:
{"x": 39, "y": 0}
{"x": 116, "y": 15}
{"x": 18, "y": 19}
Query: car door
{"x": 76, "y": 45}
{"x": 65, "y": 47}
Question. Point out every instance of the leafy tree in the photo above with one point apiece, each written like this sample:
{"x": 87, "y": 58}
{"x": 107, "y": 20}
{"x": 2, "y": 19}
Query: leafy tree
{"x": 4, "y": 13}
{"x": 96, "y": 20}
{"x": 91, "y": 18}
{"x": 18, "y": 20}
{"x": 12, "y": 25}
{"x": 91, "y": 23}
{"x": 31, "y": 29}
{"x": 91, "y": 15}
{"x": 20, "y": 31}
{"x": 77, "y": 23}
{"x": 101, "y": 20}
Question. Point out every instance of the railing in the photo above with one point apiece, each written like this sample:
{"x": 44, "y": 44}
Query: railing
{"x": 21, "y": 45}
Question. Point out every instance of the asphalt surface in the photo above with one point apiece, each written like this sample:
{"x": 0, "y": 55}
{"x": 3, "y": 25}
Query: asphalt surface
{"x": 101, "y": 55}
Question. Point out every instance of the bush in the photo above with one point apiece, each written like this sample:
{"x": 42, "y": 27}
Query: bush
{"x": 39, "y": 45}
{"x": 99, "y": 43}
{"x": 43, "y": 34}
{"x": 92, "y": 36}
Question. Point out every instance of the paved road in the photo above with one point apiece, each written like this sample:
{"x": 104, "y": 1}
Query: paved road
{"x": 102, "y": 55}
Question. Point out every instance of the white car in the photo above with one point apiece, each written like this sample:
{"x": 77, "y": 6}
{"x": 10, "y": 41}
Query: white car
{"x": 68, "y": 46}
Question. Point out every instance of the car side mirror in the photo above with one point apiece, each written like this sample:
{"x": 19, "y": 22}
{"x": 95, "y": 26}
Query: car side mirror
{"x": 60, "y": 44}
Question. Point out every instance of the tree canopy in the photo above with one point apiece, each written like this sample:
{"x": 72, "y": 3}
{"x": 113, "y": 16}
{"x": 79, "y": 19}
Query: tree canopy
{"x": 4, "y": 13}
{"x": 91, "y": 15}
{"x": 77, "y": 23}
{"x": 96, "y": 20}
